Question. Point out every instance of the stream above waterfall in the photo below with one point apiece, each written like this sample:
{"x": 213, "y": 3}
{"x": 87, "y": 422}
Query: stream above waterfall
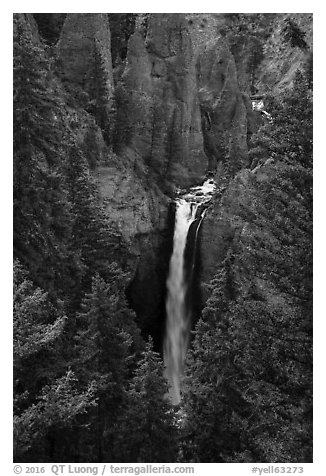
{"x": 190, "y": 209}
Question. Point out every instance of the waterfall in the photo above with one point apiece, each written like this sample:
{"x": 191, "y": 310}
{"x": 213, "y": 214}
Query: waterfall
{"x": 178, "y": 317}
{"x": 177, "y": 324}
{"x": 258, "y": 105}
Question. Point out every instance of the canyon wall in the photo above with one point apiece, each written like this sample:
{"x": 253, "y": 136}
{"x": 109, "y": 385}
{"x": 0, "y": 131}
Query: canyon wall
{"x": 84, "y": 37}
{"x": 179, "y": 114}
{"x": 281, "y": 58}
{"x": 222, "y": 228}
{"x": 222, "y": 105}
{"x": 158, "y": 109}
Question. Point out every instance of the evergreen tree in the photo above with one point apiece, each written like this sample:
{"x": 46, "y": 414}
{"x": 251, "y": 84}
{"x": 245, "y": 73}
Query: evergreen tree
{"x": 92, "y": 235}
{"x": 40, "y": 431}
{"x": 147, "y": 430}
{"x": 210, "y": 396}
{"x": 36, "y": 103}
{"x": 122, "y": 26}
{"x": 41, "y": 211}
{"x": 37, "y": 325}
{"x": 247, "y": 34}
{"x": 104, "y": 111}
{"x": 100, "y": 94}
{"x": 107, "y": 344}
{"x": 289, "y": 136}
{"x": 47, "y": 397}
{"x": 248, "y": 387}
{"x": 293, "y": 34}
{"x": 50, "y": 26}
{"x": 248, "y": 382}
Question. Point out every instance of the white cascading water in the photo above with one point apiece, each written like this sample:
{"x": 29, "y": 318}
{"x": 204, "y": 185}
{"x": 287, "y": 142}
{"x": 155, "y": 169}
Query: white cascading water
{"x": 259, "y": 106}
{"x": 178, "y": 317}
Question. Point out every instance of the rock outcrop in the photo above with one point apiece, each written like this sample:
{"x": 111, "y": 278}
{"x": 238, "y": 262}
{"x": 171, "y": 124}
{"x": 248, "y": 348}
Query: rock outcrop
{"x": 281, "y": 59}
{"x": 178, "y": 102}
{"x": 223, "y": 112}
{"x": 222, "y": 227}
{"x": 226, "y": 224}
{"x": 180, "y": 112}
{"x": 223, "y": 109}
{"x": 84, "y": 52}
{"x": 136, "y": 207}
{"x": 28, "y": 23}
{"x": 158, "y": 109}
{"x": 139, "y": 211}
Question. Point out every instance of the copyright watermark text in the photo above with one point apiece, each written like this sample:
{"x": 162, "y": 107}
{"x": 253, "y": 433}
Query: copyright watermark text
{"x": 66, "y": 469}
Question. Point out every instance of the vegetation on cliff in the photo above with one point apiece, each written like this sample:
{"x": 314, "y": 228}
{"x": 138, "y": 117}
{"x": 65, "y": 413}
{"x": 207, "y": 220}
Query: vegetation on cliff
{"x": 248, "y": 388}
{"x": 89, "y": 382}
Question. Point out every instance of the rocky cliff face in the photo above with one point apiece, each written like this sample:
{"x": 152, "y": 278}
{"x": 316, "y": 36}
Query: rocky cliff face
{"x": 177, "y": 104}
{"x": 158, "y": 109}
{"x": 222, "y": 226}
{"x": 132, "y": 202}
{"x": 282, "y": 59}
{"x": 223, "y": 109}
{"x": 180, "y": 113}
{"x": 27, "y": 22}
{"x": 139, "y": 210}
{"x": 136, "y": 207}
{"x": 224, "y": 229}
{"x": 84, "y": 48}
{"x": 225, "y": 226}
